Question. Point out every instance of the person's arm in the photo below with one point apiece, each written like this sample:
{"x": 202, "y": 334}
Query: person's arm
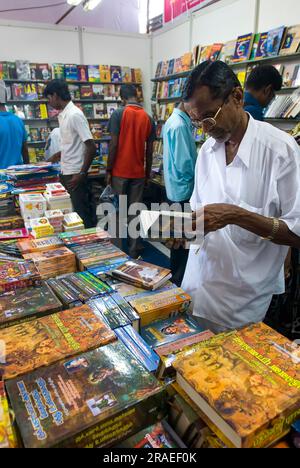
{"x": 218, "y": 216}
{"x": 55, "y": 158}
{"x": 81, "y": 127}
{"x": 112, "y": 152}
{"x": 90, "y": 154}
{"x": 184, "y": 156}
{"x": 25, "y": 153}
{"x": 149, "y": 150}
{"x": 114, "y": 128}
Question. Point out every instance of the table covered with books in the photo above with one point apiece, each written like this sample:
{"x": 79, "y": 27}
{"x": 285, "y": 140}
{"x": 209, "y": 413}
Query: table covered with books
{"x": 98, "y": 350}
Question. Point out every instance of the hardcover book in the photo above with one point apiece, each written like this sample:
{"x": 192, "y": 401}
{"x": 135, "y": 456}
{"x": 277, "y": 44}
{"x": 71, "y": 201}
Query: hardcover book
{"x": 105, "y": 76}
{"x": 274, "y": 41}
{"x": 291, "y": 41}
{"x": 243, "y": 48}
{"x": 93, "y": 400}
{"x": 94, "y": 73}
{"x": 169, "y": 330}
{"x": 247, "y": 383}
{"x": 52, "y": 338}
{"x": 142, "y": 274}
{"x": 27, "y": 304}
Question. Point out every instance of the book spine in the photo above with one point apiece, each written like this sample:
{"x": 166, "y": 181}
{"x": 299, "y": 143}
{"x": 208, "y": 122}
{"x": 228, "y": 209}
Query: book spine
{"x": 131, "y": 344}
{"x": 146, "y": 350}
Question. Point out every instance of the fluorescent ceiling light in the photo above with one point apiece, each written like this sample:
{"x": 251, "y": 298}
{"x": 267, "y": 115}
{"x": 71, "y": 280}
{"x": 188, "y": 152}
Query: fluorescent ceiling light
{"x": 74, "y": 2}
{"x": 90, "y": 4}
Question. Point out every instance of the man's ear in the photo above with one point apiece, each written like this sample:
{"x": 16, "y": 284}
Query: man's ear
{"x": 268, "y": 89}
{"x": 238, "y": 96}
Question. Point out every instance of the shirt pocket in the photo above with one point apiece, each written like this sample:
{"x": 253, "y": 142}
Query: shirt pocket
{"x": 242, "y": 236}
{"x": 66, "y": 136}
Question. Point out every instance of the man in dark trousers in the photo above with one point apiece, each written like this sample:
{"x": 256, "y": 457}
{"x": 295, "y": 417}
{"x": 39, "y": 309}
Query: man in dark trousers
{"x": 130, "y": 153}
{"x": 77, "y": 148}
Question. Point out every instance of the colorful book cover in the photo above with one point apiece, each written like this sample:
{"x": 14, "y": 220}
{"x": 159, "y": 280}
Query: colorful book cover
{"x": 74, "y": 91}
{"x": 4, "y": 73}
{"x": 23, "y": 70}
{"x": 43, "y": 72}
{"x": 126, "y": 75}
{"x": 7, "y": 436}
{"x": 98, "y": 91}
{"x": 247, "y": 382}
{"x": 12, "y": 70}
{"x": 158, "y": 70}
{"x": 58, "y": 71}
{"x": 94, "y": 73}
{"x": 82, "y": 74}
{"x": 109, "y": 312}
{"x": 205, "y": 53}
{"x": 141, "y": 343}
{"x": 105, "y": 76}
{"x": 171, "y": 67}
{"x": 262, "y": 46}
{"x": 274, "y": 41}
{"x": 243, "y": 48}
{"x": 71, "y": 72}
{"x": 27, "y": 304}
{"x": 116, "y": 74}
{"x": 164, "y": 70}
{"x": 227, "y": 52}
{"x": 158, "y": 436}
{"x": 291, "y": 41}
{"x": 142, "y": 274}
{"x": 172, "y": 329}
{"x": 255, "y": 46}
{"x": 215, "y": 52}
{"x": 186, "y": 61}
{"x": 86, "y": 92}
{"x": 77, "y": 402}
{"x": 52, "y": 338}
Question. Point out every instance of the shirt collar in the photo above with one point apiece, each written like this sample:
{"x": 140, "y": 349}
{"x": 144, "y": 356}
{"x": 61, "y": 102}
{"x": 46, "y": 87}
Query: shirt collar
{"x": 183, "y": 115}
{"x": 245, "y": 147}
{"x": 67, "y": 109}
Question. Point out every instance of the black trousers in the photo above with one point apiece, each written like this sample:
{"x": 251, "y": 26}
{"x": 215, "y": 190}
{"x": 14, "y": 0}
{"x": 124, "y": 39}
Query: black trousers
{"x": 80, "y": 200}
{"x": 179, "y": 258}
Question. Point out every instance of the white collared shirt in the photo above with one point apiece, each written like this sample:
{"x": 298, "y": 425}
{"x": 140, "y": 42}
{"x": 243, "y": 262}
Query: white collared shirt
{"x": 234, "y": 276}
{"x": 74, "y": 131}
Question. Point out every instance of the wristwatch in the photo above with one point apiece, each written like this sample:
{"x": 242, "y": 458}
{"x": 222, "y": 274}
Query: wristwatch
{"x": 82, "y": 173}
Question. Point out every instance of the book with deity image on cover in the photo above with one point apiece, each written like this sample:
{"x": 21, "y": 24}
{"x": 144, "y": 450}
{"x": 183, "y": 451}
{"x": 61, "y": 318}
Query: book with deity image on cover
{"x": 51, "y": 338}
{"x": 93, "y": 400}
{"x": 27, "y": 304}
{"x": 247, "y": 383}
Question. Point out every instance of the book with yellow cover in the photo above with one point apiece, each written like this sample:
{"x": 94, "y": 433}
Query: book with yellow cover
{"x": 247, "y": 382}
{"x": 7, "y": 436}
{"x": 41, "y": 342}
{"x": 161, "y": 306}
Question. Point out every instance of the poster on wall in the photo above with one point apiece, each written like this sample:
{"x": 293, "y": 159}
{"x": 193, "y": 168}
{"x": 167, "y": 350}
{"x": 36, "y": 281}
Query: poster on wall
{"x": 175, "y": 8}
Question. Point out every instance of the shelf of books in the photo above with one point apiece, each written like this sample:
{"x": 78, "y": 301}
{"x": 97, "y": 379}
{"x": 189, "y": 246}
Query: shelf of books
{"x": 102, "y": 352}
{"x": 95, "y": 89}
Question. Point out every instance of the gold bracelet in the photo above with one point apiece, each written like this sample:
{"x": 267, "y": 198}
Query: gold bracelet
{"x": 275, "y": 229}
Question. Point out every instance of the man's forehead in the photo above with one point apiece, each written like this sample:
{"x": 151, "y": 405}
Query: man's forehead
{"x": 201, "y": 101}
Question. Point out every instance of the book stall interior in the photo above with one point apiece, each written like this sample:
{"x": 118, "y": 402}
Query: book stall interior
{"x": 122, "y": 331}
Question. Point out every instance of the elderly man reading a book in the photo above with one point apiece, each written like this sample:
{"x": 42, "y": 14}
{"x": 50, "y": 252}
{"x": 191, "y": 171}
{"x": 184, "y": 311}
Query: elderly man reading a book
{"x": 247, "y": 194}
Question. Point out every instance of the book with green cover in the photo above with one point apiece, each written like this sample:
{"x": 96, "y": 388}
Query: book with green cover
{"x": 27, "y": 304}
{"x": 52, "y": 338}
{"x": 93, "y": 400}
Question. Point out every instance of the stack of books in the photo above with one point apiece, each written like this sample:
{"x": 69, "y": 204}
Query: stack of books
{"x": 88, "y": 236}
{"x": 6, "y": 200}
{"x": 16, "y": 274}
{"x": 72, "y": 222}
{"x": 36, "y": 245}
{"x": 246, "y": 383}
{"x": 58, "y": 198}
{"x": 27, "y": 304}
{"x": 81, "y": 286}
{"x": 32, "y": 206}
{"x": 30, "y": 175}
{"x": 93, "y": 254}
{"x": 55, "y": 218}
{"x": 142, "y": 274}
{"x": 40, "y": 227}
{"x": 54, "y": 262}
{"x": 11, "y": 222}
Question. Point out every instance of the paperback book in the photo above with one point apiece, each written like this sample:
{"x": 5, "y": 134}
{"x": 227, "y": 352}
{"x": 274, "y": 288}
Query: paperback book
{"x": 142, "y": 274}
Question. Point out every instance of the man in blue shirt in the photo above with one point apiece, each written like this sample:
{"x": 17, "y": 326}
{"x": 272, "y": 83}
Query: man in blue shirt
{"x": 180, "y": 154}
{"x": 13, "y": 137}
{"x": 262, "y": 84}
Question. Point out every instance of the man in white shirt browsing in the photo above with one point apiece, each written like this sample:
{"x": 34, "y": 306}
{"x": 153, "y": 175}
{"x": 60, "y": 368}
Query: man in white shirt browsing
{"x": 247, "y": 194}
{"x": 77, "y": 148}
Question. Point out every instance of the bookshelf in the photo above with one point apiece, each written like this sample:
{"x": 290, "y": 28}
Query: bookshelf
{"x": 90, "y": 90}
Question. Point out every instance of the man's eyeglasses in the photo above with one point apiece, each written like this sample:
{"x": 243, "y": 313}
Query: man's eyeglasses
{"x": 209, "y": 123}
